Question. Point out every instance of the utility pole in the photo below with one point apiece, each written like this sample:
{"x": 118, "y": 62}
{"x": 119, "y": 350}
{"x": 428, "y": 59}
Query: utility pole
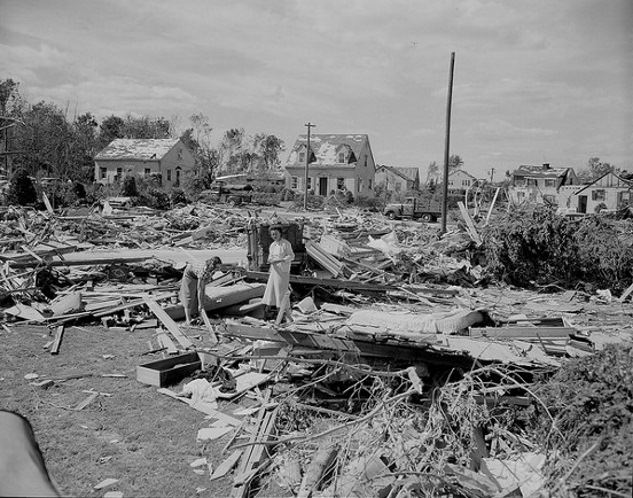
{"x": 305, "y": 197}
{"x": 447, "y": 143}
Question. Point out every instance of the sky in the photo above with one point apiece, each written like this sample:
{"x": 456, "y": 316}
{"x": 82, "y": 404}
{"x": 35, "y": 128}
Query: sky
{"x": 535, "y": 81}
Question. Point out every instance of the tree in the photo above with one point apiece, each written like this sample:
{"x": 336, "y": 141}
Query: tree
{"x": 455, "y": 162}
{"x": 268, "y": 148}
{"x": 432, "y": 172}
{"x": 110, "y": 129}
{"x": 45, "y": 139}
{"x": 146, "y": 127}
{"x": 84, "y": 147}
{"x": 198, "y": 140}
{"x": 232, "y": 151}
{"x": 597, "y": 168}
{"x": 12, "y": 103}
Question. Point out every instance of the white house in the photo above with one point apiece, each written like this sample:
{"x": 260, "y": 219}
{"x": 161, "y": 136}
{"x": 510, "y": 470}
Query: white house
{"x": 337, "y": 162}
{"x": 167, "y": 159}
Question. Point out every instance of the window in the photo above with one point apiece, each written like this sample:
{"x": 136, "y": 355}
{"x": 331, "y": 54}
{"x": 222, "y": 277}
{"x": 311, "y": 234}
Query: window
{"x": 302, "y": 157}
{"x": 294, "y": 182}
{"x": 147, "y": 172}
{"x": 550, "y": 199}
{"x": 531, "y": 182}
{"x": 370, "y": 186}
{"x": 360, "y": 184}
{"x": 341, "y": 157}
{"x": 309, "y": 183}
{"x": 519, "y": 182}
{"x": 520, "y": 196}
{"x": 450, "y": 183}
{"x": 598, "y": 195}
{"x": 119, "y": 172}
{"x": 465, "y": 183}
{"x": 168, "y": 175}
{"x": 180, "y": 153}
{"x": 366, "y": 163}
{"x": 340, "y": 183}
{"x": 549, "y": 182}
{"x": 103, "y": 172}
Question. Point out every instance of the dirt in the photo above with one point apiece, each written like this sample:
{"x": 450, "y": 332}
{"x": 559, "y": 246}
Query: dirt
{"x": 130, "y": 432}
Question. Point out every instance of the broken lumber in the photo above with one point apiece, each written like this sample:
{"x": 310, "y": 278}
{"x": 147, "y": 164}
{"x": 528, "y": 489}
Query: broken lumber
{"x": 523, "y": 333}
{"x": 58, "y": 340}
{"x": 168, "y": 322}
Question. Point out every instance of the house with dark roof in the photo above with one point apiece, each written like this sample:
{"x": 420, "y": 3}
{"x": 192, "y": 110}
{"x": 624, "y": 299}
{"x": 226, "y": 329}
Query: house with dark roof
{"x": 539, "y": 184}
{"x": 169, "y": 160}
{"x": 337, "y": 162}
{"x": 396, "y": 180}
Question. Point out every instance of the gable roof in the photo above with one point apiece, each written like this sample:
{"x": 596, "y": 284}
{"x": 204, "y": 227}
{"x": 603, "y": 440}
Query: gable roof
{"x": 408, "y": 174}
{"x": 459, "y": 170}
{"x": 138, "y": 149}
{"x": 325, "y": 146}
{"x": 609, "y": 179}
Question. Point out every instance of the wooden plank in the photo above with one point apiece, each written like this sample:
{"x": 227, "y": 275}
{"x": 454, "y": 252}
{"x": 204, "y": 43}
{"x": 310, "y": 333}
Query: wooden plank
{"x": 254, "y": 454}
{"x": 492, "y": 205}
{"x": 226, "y": 466}
{"x": 524, "y": 333}
{"x": 86, "y": 402}
{"x": 626, "y": 294}
{"x": 168, "y": 322}
{"x": 58, "y": 340}
{"x": 133, "y": 303}
{"x": 165, "y": 341}
{"x": 207, "y": 322}
{"x": 469, "y": 223}
{"x": 252, "y": 332}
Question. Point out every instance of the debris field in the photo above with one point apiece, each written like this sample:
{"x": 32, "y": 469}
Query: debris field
{"x": 410, "y": 366}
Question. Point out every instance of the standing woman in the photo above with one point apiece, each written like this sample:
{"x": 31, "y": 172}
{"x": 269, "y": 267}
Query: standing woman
{"x": 194, "y": 281}
{"x": 280, "y": 255}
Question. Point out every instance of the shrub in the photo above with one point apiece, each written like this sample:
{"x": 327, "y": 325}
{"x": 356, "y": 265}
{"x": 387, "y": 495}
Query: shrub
{"x": 370, "y": 202}
{"x": 287, "y": 194}
{"x": 21, "y": 189}
{"x": 129, "y": 187}
{"x": 178, "y": 197}
{"x": 529, "y": 246}
{"x": 155, "y": 199}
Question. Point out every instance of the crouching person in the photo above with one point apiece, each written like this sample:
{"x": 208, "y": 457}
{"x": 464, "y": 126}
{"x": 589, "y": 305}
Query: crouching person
{"x": 194, "y": 281}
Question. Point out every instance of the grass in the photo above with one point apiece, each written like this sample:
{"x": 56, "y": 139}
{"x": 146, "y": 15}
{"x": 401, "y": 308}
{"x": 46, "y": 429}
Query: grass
{"x": 144, "y": 439}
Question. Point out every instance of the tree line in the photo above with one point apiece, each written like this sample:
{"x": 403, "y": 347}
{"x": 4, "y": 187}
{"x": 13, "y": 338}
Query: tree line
{"x": 42, "y": 140}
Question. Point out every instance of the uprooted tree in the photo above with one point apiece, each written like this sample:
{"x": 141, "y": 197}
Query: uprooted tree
{"x": 536, "y": 246}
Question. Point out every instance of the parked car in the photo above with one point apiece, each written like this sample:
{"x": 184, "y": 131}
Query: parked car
{"x": 50, "y": 182}
{"x": 232, "y": 195}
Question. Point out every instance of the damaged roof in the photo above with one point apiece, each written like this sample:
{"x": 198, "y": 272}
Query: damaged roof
{"x": 139, "y": 149}
{"x": 326, "y": 146}
{"x": 408, "y": 174}
{"x": 540, "y": 171}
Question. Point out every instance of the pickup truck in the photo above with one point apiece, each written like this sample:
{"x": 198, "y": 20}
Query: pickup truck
{"x": 232, "y": 195}
{"x": 413, "y": 207}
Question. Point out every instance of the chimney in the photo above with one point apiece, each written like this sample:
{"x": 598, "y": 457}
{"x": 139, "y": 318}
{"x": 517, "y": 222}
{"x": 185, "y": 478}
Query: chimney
{"x": 545, "y": 166}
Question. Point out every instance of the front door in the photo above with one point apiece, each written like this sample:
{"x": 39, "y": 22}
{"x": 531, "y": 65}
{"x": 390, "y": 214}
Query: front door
{"x": 582, "y": 203}
{"x": 323, "y": 186}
